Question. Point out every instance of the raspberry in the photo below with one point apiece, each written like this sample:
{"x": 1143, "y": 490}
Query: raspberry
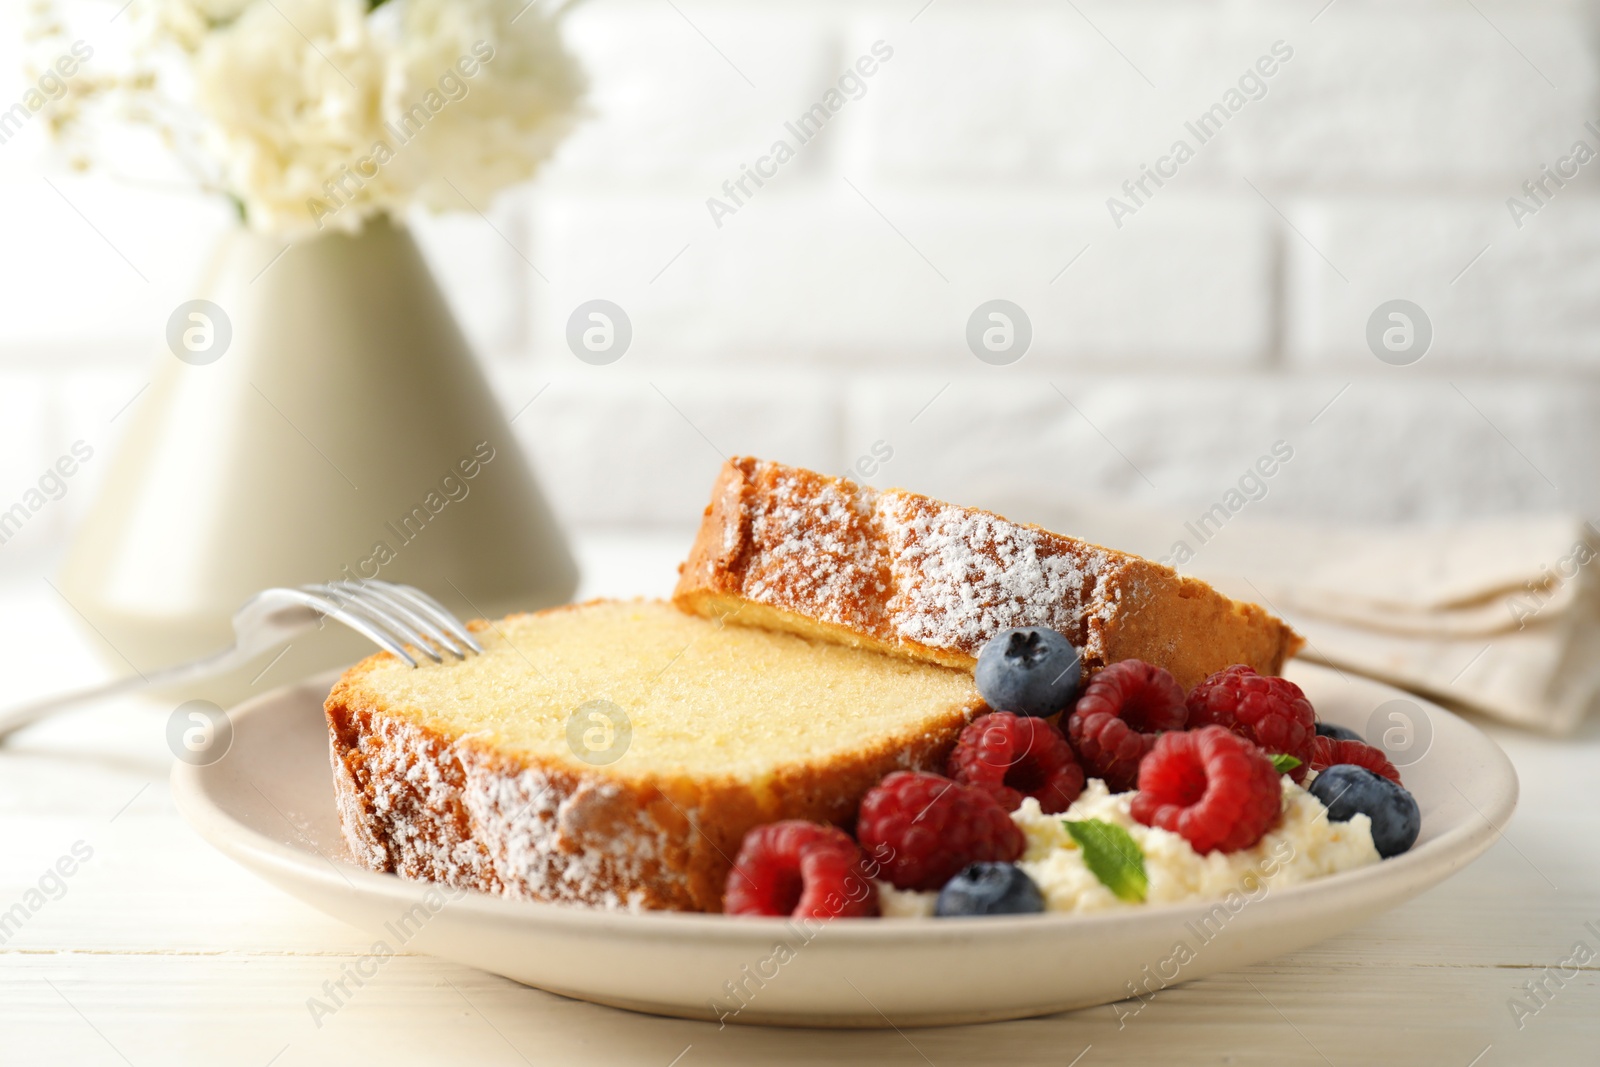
{"x": 1272, "y": 712}
{"x": 1216, "y": 789}
{"x": 1328, "y": 752}
{"x": 1119, "y": 716}
{"x": 922, "y": 829}
{"x": 1012, "y": 756}
{"x": 803, "y": 869}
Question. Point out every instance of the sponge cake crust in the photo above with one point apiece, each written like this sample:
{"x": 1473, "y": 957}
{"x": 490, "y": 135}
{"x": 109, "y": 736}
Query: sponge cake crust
{"x": 786, "y": 548}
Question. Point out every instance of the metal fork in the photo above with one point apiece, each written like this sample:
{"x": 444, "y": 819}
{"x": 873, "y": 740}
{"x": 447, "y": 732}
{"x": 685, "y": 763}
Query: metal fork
{"x": 399, "y": 619}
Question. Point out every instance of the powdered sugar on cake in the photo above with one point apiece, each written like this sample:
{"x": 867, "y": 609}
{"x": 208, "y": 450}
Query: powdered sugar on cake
{"x": 962, "y": 576}
{"x": 443, "y": 812}
{"x": 409, "y": 817}
{"x": 897, "y": 572}
{"x": 812, "y": 546}
{"x": 540, "y": 838}
{"x": 906, "y": 568}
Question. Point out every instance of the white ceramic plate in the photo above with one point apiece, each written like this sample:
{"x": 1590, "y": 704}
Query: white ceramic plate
{"x": 269, "y": 804}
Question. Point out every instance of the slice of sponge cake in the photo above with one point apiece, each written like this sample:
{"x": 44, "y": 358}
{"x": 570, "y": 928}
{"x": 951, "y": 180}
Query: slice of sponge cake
{"x": 790, "y": 549}
{"x": 615, "y": 753}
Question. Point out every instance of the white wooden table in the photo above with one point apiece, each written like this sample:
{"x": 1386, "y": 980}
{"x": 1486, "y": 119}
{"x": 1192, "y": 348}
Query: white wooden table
{"x": 157, "y": 950}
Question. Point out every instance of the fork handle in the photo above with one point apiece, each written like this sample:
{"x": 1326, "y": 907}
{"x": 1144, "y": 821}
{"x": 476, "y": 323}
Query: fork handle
{"x": 14, "y": 719}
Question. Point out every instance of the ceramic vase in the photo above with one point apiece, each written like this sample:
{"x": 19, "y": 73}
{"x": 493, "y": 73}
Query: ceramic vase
{"x": 315, "y": 414}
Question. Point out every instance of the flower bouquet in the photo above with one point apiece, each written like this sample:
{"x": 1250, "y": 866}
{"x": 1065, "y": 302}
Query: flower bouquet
{"x": 311, "y": 114}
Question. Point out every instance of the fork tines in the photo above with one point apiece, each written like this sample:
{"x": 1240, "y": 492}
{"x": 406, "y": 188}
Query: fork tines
{"x": 396, "y": 617}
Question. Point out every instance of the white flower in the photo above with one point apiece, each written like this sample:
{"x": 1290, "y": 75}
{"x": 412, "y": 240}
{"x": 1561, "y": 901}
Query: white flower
{"x": 294, "y": 90}
{"x": 188, "y": 21}
{"x": 498, "y": 126}
{"x": 318, "y": 113}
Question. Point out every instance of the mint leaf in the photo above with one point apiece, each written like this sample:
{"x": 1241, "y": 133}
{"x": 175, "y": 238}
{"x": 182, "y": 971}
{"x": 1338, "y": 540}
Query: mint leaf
{"x": 1284, "y": 763}
{"x": 1113, "y": 856}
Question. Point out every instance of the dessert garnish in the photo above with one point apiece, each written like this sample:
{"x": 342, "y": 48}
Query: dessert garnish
{"x": 1272, "y": 712}
{"x": 923, "y": 828}
{"x": 801, "y": 869}
{"x": 988, "y": 889}
{"x": 1329, "y": 752}
{"x": 1214, "y": 788}
{"x": 1120, "y": 715}
{"x": 1347, "y": 790}
{"x": 1013, "y": 756}
{"x": 1028, "y": 670}
{"x": 1113, "y": 856}
{"x": 1338, "y": 733}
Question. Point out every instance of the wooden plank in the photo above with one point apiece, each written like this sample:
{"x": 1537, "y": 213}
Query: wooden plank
{"x": 73, "y": 1007}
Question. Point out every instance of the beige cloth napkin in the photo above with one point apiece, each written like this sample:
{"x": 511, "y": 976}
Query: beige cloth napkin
{"x": 1498, "y": 615}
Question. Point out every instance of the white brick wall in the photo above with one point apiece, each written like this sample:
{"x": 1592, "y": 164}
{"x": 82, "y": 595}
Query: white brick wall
{"x": 818, "y": 277}
{"x": 1030, "y": 93}
{"x": 1499, "y": 297}
{"x": 1426, "y": 95}
{"x": 828, "y": 310}
{"x": 682, "y": 94}
{"x": 1375, "y": 449}
{"x": 618, "y": 450}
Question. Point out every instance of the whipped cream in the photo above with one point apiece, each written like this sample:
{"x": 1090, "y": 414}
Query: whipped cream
{"x": 1304, "y": 845}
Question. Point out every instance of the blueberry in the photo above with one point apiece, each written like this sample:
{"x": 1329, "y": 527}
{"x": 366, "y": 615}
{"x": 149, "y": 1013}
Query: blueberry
{"x": 1347, "y": 790}
{"x": 1338, "y": 733}
{"x": 989, "y": 889}
{"x": 1028, "y": 670}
